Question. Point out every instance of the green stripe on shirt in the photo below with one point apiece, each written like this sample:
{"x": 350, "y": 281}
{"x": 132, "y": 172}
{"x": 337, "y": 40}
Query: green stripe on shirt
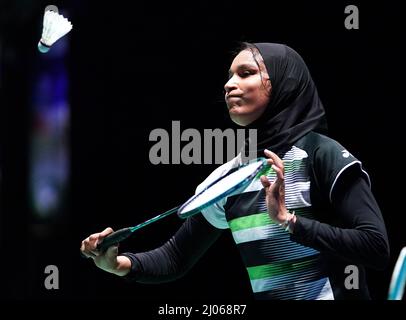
{"x": 282, "y": 267}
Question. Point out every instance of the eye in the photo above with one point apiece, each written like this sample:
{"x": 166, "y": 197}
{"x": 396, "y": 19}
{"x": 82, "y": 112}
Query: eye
{"x": 246, "y": 73}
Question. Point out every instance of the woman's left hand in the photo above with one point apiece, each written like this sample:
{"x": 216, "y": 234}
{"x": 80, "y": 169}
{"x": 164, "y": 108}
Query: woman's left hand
{"x": 275, "y": 191}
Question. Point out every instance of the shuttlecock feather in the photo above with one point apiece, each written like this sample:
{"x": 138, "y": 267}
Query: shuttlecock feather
{"x": 55, "y": 26}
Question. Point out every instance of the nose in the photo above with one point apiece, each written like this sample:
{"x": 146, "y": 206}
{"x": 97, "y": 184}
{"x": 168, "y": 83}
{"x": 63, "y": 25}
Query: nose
{"x": 230, "y": 85}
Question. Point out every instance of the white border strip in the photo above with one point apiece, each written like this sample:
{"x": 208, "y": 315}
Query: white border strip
{"x": 342, "y": 170}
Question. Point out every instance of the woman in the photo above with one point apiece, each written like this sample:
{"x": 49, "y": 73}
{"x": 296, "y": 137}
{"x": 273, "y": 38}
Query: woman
{"x": 310, "y": 219}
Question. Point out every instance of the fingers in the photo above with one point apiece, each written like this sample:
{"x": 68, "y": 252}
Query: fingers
{"x": 279, "y": 174}
{"x": 84, "y": 252}
{"x": 105, "y": 233}
{"x": 89, "y": 246}
{"x": 274, "y": 157}
{"x": 89, "y": 255}
{"x": 265, "y": 181}
{"x": 276, "y": 163}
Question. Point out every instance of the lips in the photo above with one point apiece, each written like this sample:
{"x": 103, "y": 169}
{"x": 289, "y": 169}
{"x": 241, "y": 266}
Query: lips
{"x": 233, "y": 101}
{"x": 233, "y": 97}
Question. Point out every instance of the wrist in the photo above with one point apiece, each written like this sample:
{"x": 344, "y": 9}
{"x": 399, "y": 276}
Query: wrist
{"x": 123, "y": 266}
{"x": 289, "y": 221}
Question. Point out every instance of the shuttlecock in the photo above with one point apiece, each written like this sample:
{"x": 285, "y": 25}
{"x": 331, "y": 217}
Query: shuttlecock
{"x": 55, "y": 26}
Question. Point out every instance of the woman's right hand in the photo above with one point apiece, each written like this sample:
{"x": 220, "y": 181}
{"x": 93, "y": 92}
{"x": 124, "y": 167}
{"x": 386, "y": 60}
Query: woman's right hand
{"x": 108, "y": 260}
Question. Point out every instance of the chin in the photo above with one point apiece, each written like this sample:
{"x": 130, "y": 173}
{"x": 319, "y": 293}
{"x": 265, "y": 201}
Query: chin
{"x": 240, "y": 120}
{"x": 237, "y": 116}
{"x": 244, "y": 116}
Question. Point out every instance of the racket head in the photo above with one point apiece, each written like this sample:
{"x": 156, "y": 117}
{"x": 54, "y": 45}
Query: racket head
{"x": 234, "y": 182}
{"x": 398, "y": 280}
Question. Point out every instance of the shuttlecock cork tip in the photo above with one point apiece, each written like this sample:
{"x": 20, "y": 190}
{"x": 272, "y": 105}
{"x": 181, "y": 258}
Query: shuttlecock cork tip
{"x": 43, "y": 48}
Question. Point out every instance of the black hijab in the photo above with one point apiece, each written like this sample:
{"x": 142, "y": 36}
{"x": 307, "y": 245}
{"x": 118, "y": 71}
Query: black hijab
{"x": 294, "y": 108}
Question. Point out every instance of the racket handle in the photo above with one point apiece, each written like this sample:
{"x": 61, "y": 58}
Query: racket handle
{"x": 114, "y": 238}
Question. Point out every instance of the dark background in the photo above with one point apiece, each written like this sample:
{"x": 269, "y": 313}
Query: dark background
{"x": 136, "y": 68}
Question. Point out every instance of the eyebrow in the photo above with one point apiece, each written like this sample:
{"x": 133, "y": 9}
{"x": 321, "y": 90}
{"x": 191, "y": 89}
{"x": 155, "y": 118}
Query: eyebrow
{"x": 243, "y": 66}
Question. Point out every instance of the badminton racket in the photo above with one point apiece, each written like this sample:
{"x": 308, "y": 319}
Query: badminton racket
{"x": 234, "y": 182}
{"x": 398, "y": 280}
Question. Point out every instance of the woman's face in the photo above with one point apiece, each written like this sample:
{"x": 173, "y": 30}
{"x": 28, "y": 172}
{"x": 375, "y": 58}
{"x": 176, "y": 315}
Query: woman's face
{"x": 248, "y": 89}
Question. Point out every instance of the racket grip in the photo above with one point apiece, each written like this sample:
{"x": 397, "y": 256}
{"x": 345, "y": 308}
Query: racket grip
{"x": 114, "y": 238}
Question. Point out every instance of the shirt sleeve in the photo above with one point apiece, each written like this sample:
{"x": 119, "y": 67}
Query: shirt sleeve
{"x": 330, "y": 161}
{"x": 361, "y": 237}
{"x": 173, "y": 259}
